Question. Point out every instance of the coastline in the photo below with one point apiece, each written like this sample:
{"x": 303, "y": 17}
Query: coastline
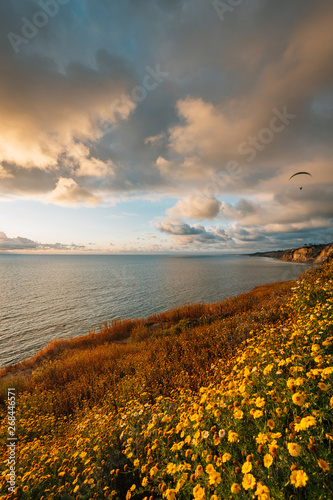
{"x": 124, "y": 331}
{"x": 309, "y": 254}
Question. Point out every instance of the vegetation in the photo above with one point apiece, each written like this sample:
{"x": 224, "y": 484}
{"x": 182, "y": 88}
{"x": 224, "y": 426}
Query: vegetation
{"x": 229, "y": 400}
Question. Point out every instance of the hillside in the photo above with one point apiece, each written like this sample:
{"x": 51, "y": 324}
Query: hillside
{"x": 312, "y": 254}
{"x": 229, "y": 400}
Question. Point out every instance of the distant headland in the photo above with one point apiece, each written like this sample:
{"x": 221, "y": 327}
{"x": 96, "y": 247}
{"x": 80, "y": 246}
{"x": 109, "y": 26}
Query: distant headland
{"x": 311, "y": 254}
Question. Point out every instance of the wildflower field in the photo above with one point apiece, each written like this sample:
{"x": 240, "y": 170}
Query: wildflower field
{"x": 229, "y": 400}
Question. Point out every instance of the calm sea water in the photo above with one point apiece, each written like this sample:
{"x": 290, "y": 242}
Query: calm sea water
{"x": 46, "y": 297}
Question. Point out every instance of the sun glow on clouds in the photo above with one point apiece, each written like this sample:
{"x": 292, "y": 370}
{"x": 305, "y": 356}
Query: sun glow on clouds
{"x": 93, "y": 127}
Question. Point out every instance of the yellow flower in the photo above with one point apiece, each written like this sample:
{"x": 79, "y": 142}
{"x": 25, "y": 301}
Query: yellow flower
{"x": 262, "y": 438}
{"x": 327, "y": 371}
{"x": 305, "y": 423}
{"x": 331, "y": 401}
{"x": 298, "y": 478}
{"x": 260, "y": 402}
{"x": 279, "y": 411}
{"x": 194, "y": 417}
{"x": 210, "y": 469}
{"x": 170, "y": 494}
{"x": 153, "y": 471}
{"x": 257, "y": 414}
{"x": 298, "y": 399}
{"x": 171, "y": 468}
{"x": 324, "y": 465}
{"x": 128, "y": 495}
{"x": 198, "y": 492}
{"x": 214, "y": 478}
{"x": 268, "y": 460}
{"x": 271, "y": 424}
{"x": 248, "y": 482}
{"x": 235, "y": 489}
{"x": 268, "y": 369}
{"x": 238, "y": 414}
{"x": 290, "y": 383}
{"x": 180, "y": 483}
{"x": 294, "y": 449}
{"x": 197, "y": 434}
{"x": 313, "y": 373}
{"x": 144, "y": 482}
{"x": 322, "y": 386}
{"x": 262, "y": 492}
{"x": 184, "y": 466}
{"x": 136, "y": 462}
{"x": 198, "y": 470}
{"x": 226, "y": 457}
{"x": 247, "y": 467}
{"x": 232, "y": 436}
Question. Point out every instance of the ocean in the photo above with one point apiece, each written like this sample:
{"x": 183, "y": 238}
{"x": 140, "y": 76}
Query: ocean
{"x": 43, "y": 297}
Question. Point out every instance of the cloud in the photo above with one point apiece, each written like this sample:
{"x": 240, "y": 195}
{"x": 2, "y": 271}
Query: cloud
{"x": 72, "y": 133}
{"x": 67, "y": 192}
{"x": 20, "y": 243}
{"x": 154, "y": 140}
{"x": 186, "y": 234}
{"x": 4, "y": 174}
{"x": 234, "y": 127}
{"x": 197, "y": 207}
{"x": 46, "y": 111}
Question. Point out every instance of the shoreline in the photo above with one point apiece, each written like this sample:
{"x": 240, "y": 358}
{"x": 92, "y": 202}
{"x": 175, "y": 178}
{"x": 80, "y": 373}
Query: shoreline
{"x": 120, "y": 331}
{"x": 308, "y": 254}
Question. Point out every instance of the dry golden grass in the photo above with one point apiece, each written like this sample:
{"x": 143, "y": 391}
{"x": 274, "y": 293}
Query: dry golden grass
{"x": 156, "y": 352}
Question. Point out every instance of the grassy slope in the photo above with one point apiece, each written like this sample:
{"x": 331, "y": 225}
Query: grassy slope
{"x": 154, "y": 417}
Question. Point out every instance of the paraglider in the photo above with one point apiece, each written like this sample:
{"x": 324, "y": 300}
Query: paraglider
{"x": 300, "y": 173}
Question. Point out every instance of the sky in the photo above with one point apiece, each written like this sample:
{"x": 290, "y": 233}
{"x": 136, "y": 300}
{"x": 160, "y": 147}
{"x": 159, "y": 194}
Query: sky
{"x": 165, "y": 126}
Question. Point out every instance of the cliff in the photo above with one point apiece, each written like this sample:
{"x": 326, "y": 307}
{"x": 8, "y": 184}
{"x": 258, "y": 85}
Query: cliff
{"x": 312, "y": 254}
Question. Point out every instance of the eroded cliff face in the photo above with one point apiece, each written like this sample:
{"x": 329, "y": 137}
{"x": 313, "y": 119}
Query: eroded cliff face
{"x": 326, "y": 255}
{"x": 315, "y": 254}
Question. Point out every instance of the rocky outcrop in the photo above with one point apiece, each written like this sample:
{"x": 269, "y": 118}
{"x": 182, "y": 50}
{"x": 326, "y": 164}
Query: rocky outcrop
{"x": 311, "y": 254}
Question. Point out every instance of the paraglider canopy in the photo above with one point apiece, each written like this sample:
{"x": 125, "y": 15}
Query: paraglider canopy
{"x": 300, "y": 173}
